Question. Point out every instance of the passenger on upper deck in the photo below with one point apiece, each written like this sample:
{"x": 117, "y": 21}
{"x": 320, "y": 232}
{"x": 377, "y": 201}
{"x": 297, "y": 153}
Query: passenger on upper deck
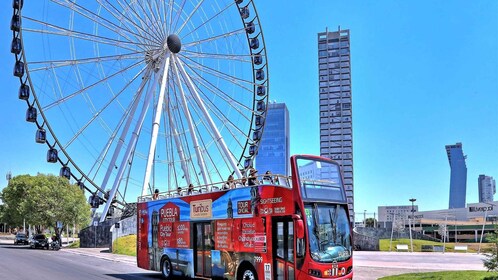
{"x": 252, "y": 180}
{"x": 268, "y": 179}
{"x": 179, "y": 191}
{"x": 155, "y": 196}
{"x": 230, "y": 184}
{"x": 190, "y": 189}
{"x": 241, "y": 183}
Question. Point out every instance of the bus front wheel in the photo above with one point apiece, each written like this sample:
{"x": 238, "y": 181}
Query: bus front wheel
{"x": 247, "y": 272}
{"x": 166, "y": 268}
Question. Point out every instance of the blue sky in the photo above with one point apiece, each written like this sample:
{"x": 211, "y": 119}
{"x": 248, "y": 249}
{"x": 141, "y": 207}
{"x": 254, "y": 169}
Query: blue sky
{"x": 424, "y": 74}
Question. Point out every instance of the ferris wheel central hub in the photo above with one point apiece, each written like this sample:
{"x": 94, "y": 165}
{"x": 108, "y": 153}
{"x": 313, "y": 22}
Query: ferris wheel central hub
{"x": 174, "y": 44}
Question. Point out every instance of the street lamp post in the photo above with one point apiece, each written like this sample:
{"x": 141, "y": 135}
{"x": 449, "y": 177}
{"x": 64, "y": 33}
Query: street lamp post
{"x": 412, "y": 200}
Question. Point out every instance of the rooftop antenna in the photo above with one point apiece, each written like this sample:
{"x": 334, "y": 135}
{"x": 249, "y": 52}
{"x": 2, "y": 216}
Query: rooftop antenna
{"x": 8, "y": 176}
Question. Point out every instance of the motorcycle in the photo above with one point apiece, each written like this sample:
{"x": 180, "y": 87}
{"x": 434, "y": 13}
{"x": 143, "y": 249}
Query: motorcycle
{"x": 54, "y": 245}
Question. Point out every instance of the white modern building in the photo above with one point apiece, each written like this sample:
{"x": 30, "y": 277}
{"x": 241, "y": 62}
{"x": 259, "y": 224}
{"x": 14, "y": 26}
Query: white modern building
{"x": 387, "y": 214}
{"x": 309, "y": 171}
{"x": 336, "y": 124}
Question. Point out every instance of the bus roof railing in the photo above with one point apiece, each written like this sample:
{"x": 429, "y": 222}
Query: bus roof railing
{"x": 264, "y": 179}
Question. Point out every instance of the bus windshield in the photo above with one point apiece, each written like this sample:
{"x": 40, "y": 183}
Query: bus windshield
{"x": 320, "y": 180}
{"x": 329, "y": 232}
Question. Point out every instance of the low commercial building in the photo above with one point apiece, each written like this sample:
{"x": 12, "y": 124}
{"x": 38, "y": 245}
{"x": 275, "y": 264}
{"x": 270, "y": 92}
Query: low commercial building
{"x": 462, "y": 224}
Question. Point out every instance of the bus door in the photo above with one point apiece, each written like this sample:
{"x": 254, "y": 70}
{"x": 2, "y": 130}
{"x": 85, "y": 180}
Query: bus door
{"x": 283, "y": 248}
{"x": 202, "y": 249}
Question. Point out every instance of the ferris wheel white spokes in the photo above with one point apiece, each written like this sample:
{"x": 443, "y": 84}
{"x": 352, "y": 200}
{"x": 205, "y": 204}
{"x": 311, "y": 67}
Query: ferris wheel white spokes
{"x": 138, "y": 95}
{"x": 212, "y": 126}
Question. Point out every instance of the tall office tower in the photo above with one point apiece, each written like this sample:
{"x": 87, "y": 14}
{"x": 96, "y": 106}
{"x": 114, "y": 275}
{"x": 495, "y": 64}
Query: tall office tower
{"x": 458, "y": 179}
{"x": 487, "y": 188}
{"x": 336, "y": 133}
{"x": 274, "y": 150}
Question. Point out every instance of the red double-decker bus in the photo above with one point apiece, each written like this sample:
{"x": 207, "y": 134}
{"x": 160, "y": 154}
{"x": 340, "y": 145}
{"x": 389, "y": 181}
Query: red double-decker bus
{"x": 282, "y": 228}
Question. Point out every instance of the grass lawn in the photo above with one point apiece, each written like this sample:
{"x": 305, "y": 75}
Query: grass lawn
{"x": 417, "y": 245}
{"x": 446, "y": 275}
{"x": 75, "y": 244}
{"x": 126, "y": 245}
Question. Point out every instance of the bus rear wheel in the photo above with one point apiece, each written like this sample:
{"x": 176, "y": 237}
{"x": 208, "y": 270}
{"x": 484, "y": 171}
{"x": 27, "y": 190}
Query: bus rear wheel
{"x": 247, "y": 273}
{"x": 166, "y": 268}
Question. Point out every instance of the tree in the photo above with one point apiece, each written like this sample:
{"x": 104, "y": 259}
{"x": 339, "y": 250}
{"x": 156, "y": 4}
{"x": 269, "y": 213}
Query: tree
{"x": 443, "y": 231}
{"x": 3, "y": 214}
{"x": 43, "y": 200}
{"x": 491, "y": 260}
{"x": 399, "y": 226}
{"x": 370, "y": 222}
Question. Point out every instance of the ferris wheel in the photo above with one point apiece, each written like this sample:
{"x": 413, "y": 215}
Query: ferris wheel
{"x": 136, "y": 95}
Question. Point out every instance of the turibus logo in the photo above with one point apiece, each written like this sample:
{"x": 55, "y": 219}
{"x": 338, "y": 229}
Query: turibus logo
{"x": 201, "y": 209}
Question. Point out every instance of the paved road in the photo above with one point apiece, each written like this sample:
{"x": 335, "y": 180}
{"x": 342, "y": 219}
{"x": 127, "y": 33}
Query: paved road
{"x": 20, "y": 262}
{"x": 23, "y": 263}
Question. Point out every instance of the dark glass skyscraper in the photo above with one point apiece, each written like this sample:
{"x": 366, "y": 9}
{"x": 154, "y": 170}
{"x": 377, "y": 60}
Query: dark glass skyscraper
{"x": 458, "y": 177}
{"x": 336, "y": 109}
{"x": 274, "y": 150}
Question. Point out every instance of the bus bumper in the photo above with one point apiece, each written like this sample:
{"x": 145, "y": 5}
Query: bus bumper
{"x": 345, "y": 277}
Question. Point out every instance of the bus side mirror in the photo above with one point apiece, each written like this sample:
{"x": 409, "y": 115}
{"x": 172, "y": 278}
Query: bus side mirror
{"x": 299, "y": 228}
{"x": 300, "y": 248}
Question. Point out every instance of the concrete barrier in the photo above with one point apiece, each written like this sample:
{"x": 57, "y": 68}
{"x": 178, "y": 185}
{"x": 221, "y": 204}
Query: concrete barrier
{"x": 427, "y": 248}
{"x": 401, "y": 247}
{"x": 438, "y": 248}
{"x": 461, "y": 248}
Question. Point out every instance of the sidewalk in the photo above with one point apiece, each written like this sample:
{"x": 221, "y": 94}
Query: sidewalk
{"x": 101, "y": 253}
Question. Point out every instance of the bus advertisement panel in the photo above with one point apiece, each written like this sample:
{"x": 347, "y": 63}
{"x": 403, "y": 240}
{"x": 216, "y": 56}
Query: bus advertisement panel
{"x": 233, "y": 226}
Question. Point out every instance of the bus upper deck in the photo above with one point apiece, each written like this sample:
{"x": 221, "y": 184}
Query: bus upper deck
{"x": 265, "y": 179}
